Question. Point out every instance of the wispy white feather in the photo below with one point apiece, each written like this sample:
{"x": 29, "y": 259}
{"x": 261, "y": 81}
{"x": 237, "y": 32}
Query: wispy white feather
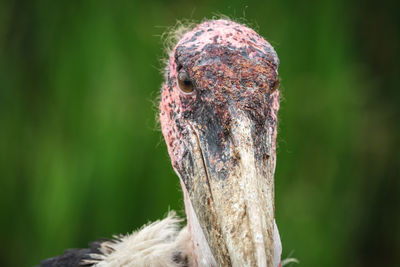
{"x": 156, "y": 244}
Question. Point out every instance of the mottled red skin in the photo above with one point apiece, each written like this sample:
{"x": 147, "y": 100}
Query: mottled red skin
{"x": 232, "y": 68}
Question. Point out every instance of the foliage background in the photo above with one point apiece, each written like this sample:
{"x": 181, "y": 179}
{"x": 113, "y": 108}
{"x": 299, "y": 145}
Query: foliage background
{"x": 81, "y": 156}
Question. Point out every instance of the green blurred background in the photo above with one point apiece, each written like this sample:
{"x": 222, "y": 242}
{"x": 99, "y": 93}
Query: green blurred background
{"x": 81, "y": 156}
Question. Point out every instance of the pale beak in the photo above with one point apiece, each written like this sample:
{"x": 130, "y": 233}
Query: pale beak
{"x": 231, "y": 190}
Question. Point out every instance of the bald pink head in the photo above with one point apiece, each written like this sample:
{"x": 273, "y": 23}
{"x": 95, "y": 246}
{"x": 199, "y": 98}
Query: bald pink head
{"x": 225, "y": 61}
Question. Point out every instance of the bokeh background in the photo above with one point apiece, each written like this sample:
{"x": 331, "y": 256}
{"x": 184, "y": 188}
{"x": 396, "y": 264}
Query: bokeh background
{"x": 81, "y": 156}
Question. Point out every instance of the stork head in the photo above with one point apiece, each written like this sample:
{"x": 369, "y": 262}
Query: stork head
{"x": 218, "y": 113}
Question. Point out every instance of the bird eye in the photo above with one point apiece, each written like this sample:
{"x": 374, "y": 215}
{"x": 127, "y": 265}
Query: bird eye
{"x": 184, "y": 82}
{"x": 275, "y": 86}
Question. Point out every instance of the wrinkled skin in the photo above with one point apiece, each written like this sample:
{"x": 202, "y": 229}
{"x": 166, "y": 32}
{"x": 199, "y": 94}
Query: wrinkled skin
{"x": 221, "y": 138}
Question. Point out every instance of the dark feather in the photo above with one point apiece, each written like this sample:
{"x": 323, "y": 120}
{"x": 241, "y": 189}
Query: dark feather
{"x": 74, "y": 257}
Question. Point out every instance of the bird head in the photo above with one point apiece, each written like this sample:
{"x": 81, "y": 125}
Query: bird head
{"x": 218, "y": 113}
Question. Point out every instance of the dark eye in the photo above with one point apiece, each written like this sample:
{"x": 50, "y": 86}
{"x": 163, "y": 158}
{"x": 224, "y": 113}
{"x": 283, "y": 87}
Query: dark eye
{"x": 275, "y": 86}
{"x": 184, "y": 82}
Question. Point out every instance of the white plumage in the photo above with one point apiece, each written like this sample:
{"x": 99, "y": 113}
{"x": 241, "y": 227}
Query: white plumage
{"x": 161, "y": 243}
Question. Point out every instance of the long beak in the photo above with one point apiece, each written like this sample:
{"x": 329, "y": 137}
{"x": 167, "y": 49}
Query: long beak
{"x": 231, "y": 191}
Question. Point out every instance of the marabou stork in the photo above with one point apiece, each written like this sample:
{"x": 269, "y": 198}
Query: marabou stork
{"x": 218, "y": 113}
